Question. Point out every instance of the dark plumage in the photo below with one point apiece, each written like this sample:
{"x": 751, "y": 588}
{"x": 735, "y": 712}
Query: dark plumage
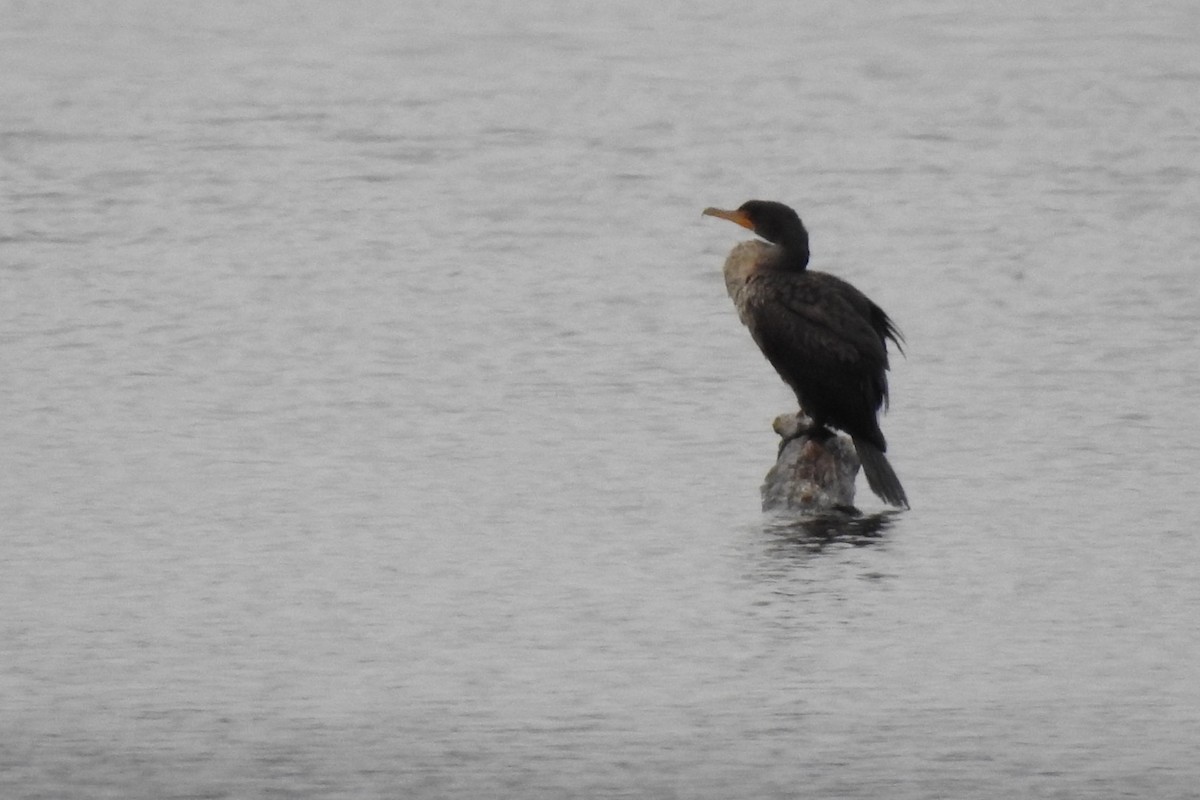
{"x": 824, "y": 337}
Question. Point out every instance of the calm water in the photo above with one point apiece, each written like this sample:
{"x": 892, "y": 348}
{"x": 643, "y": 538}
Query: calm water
{"x": 376, "y": 424}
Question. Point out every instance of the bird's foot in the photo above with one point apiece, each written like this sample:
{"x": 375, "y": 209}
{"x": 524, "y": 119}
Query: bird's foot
{"x": 799, "y": 426}
{"x": 818, "y": 433}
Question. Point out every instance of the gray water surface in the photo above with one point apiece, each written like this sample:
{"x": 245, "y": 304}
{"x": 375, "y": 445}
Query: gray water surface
{"x": 375, "y": 423}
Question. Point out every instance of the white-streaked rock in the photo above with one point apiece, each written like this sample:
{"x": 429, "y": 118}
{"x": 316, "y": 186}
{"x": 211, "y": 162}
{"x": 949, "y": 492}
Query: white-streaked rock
{"x": 810, "y": 476}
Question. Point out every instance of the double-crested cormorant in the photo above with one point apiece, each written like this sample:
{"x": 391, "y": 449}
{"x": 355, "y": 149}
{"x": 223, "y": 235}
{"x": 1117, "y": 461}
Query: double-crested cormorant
{"x": 825, "y": 338}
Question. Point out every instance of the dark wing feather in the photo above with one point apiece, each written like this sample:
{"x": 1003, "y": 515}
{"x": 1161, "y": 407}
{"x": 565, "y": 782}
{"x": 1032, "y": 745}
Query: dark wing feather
{"x": 818, "y": 333}
{"x": 884, "y": 326}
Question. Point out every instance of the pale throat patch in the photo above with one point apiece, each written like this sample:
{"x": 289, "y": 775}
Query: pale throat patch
{"x": 739, "y": 266}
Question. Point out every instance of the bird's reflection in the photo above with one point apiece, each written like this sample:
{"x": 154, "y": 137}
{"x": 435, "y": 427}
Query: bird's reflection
{"x": 805, "y": 536}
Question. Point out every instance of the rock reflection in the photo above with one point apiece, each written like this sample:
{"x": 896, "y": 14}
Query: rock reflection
{"x": 803, "y": 537}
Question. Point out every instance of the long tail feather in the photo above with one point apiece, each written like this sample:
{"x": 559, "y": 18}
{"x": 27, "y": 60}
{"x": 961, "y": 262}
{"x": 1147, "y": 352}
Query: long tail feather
{"x": 880, "y": 475}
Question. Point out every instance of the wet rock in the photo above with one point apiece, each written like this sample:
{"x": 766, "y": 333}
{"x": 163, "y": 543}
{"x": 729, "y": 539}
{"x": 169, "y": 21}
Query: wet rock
{"x": 810, "y": 476}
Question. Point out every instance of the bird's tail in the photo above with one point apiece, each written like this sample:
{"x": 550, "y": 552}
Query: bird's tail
{"x": 880, "y": 475}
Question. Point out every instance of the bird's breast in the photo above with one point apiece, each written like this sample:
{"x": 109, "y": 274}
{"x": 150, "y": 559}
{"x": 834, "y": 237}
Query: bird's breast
{"x": 743, "y": 261}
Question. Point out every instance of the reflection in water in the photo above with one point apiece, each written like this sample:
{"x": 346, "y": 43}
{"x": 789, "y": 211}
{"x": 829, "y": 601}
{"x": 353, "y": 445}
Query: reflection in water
{"x": 793, "y": 537}
{"x": 802, "y": 565}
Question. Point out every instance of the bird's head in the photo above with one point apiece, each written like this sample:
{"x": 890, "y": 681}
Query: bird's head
{"x": 773, "y": 221}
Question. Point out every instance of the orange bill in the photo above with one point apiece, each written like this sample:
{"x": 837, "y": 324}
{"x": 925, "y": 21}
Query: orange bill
{"x": 733, "y": 216}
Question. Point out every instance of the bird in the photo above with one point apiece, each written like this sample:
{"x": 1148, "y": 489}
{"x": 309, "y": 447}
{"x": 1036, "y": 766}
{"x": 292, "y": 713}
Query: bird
{"x": 825, "y": 338}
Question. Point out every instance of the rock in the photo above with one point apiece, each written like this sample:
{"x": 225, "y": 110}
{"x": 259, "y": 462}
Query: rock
{"x": 810, "y": 476}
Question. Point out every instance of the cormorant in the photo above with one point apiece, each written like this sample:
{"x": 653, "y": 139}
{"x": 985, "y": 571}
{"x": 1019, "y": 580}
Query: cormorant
{"x": 825, "y": 338}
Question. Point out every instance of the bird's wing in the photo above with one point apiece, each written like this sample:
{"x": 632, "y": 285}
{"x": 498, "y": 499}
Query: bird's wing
{"x": 819, "y": 338}
{"x": 817, "y": 314}
{"x": 883, "y": 323}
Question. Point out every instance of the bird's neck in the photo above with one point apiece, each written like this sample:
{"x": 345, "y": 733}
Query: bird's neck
{"x": 792, "y": 251}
